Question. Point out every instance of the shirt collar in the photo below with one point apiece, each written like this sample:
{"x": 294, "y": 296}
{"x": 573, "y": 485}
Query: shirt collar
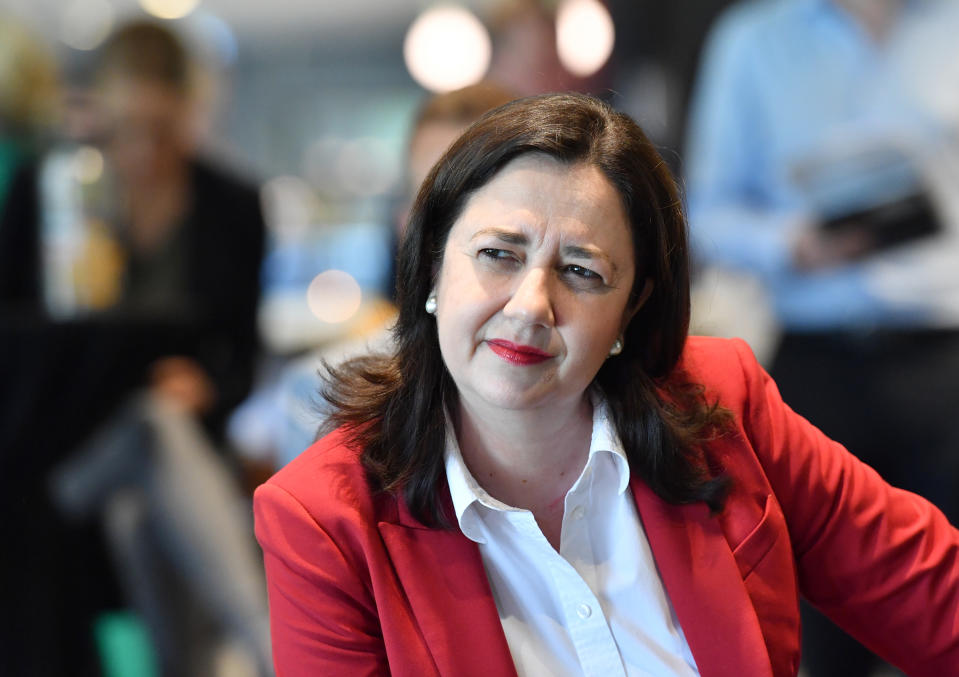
{"x": 467, "y": 494}
{"x": 606, "y": 439}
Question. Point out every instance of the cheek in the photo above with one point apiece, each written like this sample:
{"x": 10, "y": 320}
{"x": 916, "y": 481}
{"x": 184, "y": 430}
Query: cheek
{"x": 462, "y": 300}
{"x": 596, "y": 334}
{"x": 459, "y": 324}
{"x": 457, "y": 339}
{"x": 592, "y": 347}
{"x": 454, "y": 321}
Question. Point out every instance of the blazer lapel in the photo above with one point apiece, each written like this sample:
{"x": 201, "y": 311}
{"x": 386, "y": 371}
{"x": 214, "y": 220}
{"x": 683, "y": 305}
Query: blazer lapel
{"x": 444, "y": 579}
{"x": 705, "y": 587}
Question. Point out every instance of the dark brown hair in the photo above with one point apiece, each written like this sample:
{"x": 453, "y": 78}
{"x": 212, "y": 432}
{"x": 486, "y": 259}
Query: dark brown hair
{"x": 143, "y": 50}
{"x": 393, "y": 406}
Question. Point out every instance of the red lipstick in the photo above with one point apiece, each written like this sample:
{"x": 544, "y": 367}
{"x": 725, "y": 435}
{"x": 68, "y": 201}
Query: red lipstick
{"x": 517, "y": 354}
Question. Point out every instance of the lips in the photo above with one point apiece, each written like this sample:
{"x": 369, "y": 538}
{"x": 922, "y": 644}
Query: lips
{"x": 517, "y": 354}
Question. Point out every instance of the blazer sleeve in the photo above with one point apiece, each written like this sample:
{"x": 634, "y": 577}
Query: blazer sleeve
{"x": 883, "y": 563}
{"x": 323, "y": 619}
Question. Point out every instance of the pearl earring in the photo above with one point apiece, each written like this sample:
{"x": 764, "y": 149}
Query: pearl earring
{"x": 431, "y": 304}
{"x": 617, "y": 347}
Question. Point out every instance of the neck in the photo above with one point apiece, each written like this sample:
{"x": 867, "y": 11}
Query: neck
{"x": 153, "y": 210}
{"x": 527, "y": 459}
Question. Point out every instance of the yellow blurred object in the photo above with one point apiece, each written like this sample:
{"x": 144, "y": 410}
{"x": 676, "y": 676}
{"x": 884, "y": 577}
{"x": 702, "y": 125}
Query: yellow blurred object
{"x": 98, "y": 271}
{"x": 377, "y": 314}
{"x": 28, "y": 81}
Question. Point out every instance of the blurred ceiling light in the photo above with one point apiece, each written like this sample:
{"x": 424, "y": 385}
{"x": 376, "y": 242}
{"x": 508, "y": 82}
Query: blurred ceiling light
{"x": 584, "y": 36}
{"x": 87, "y": 164}
{"x": 169, "y": 9}
{"x": 446, "y": 48}
{"x": 334, "y": 296}
{"x": 289, "y": 205}
{"x": 84, "y": 24}
{"x": 318, "y": 163}
{"x": 363, "y": 167}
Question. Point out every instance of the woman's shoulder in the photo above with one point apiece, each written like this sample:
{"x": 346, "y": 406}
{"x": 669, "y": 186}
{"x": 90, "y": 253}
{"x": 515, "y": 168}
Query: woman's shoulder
{"x": 723, "y": 366}
{"x": 328, "y": 480}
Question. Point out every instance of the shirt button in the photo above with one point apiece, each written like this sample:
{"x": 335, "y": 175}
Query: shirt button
{"x": 584, "y": 611}
{"x": 578, "y": 512}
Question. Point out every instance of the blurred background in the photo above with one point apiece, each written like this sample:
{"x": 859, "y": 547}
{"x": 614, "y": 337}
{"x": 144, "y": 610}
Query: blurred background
{"x": 202, "y": 198}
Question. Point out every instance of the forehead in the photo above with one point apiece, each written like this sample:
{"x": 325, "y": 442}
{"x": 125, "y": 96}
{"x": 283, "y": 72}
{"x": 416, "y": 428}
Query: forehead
{"x": 544, "y": 197}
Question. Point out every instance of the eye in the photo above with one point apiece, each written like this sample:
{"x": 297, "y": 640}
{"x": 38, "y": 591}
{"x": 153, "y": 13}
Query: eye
{"x": 581, "y": 277}
{"x": 579, "y": 271}
{"x": 498, "y": 257}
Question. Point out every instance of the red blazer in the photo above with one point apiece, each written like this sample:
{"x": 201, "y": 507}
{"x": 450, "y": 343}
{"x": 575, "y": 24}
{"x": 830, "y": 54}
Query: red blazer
{"x": 359, "y": 587}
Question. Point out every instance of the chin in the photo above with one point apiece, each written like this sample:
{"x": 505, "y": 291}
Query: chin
{"x": 509, "y": 396}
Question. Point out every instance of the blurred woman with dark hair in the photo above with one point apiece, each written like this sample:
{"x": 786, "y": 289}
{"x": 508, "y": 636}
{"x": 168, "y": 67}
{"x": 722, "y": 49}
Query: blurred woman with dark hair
{"x": 134, "y": 293}
{"x": 548, "y": 476}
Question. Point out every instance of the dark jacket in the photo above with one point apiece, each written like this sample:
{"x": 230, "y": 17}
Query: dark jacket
{"x": 60, "y": 380}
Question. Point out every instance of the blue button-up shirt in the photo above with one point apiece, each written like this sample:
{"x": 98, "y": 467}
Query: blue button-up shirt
{"x": 799, "y": 113}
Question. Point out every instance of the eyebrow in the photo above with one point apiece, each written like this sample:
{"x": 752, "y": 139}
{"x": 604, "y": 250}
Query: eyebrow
{"x": 576, "y": 251}
{"x": 508, "y": 236}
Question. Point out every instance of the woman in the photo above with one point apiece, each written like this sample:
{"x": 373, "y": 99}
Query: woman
{"x": 549, "y": 478}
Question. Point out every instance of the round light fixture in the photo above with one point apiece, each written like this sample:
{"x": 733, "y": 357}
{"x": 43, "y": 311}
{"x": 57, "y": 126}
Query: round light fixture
{"x": 334, "y": 296}
{"x": 446, "y": 48}
{"x": 85, "y": 24}
{"x": 169, "y": 9}
{"x": 584, "y": 36}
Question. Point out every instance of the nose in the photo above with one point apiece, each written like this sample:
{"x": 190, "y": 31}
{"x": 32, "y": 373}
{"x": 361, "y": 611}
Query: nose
{"x": 531, "y": 301}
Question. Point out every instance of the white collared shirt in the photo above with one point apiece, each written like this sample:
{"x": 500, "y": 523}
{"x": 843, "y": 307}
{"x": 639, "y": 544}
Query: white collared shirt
{"x": 596, "y": 608}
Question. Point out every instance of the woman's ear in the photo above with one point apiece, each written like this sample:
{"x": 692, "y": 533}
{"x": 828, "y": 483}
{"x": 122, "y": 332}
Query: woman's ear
{"x": 638, "y": 303}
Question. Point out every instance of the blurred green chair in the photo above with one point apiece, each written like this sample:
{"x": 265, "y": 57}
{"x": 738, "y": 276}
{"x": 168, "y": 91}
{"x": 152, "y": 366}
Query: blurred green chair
{"x": 124, "y": 646}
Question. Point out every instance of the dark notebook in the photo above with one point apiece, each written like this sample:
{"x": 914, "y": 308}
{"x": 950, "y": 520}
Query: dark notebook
{"x": 890, "y": 223}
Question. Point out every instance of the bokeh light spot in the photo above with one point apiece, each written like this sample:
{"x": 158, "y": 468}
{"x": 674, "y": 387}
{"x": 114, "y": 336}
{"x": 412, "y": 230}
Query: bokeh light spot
{"x": 584, "y": 36}
{"x": 363, "y": 167}
{"x": 447, "y": 48}
{"x": 169, "y": 9}
{"x": 87, "y": 164}
{"x": 334, "y": 296}
{"x": 85, "y": 24}
{"x": 289, "y": 206}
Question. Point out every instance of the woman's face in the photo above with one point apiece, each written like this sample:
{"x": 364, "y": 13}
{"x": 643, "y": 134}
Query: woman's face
{"x": 149, "y": 125}
{"x": 534, "y": 285}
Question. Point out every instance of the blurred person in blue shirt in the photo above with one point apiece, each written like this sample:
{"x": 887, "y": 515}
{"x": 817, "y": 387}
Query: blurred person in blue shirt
{"x": 821, "y": 158}
{"x": 802, "y": 111}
